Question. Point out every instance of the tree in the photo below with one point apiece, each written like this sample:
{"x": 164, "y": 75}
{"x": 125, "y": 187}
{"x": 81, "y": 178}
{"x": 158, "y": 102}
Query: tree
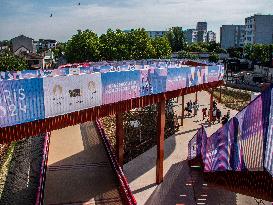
{"x": 176, "y": 38}
{"x": 162, "y": 47}
{"x": 83, "y": 46}
{"x": 258, "y": 53}
{"x": 11, "y": 62}
{"x": 235, "y": 52}
{"x": 140, "y": 45}
{"x": 197, "y": 47}
{"x": 187, "y": 55}
{"x": 114, "y": 45}
{"x": 59, "y": 50}
{"x": 214, "y": 58}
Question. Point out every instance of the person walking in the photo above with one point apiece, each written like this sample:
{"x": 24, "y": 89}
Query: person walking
{"x": 204, "y": 111}
{"x": 218, "y": 115}
{"x": 228, "y": 114}
{"x": 214, "y": 115}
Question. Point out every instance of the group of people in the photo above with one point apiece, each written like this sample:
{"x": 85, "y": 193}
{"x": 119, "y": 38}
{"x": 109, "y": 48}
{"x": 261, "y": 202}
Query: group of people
{"x": 216, "y": 114}
{"x": 192, "y": 106}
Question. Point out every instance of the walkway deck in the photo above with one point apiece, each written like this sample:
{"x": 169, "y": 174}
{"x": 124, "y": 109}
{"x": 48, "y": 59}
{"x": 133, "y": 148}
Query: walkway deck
{"x": 180, "y": 185}
{"x": 78, "y": 169}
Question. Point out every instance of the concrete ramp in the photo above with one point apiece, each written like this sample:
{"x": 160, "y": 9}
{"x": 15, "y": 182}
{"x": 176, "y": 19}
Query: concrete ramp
{"x": 79, "y": 171}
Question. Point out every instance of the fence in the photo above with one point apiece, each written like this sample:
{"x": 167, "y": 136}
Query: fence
{"x": 58, "y": 92}
{"x": 40, "y": 192}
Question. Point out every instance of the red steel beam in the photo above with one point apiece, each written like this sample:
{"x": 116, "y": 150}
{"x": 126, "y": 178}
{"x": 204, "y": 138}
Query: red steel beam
{"x": 160, "y": 141}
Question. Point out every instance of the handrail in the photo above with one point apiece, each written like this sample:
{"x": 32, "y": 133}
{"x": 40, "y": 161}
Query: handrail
{"x": 124, "y": 189}
{"x": 42, "y": 179}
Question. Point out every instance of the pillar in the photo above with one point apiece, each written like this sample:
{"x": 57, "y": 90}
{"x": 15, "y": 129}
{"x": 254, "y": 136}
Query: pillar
{"x": 119, "y": 138}
{"x": 211, "y": 105}
{"x": 183, "y": 110}
{"x": 160, "y": 141}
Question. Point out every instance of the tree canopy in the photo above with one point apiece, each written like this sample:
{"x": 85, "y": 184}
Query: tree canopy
{"x": 259, "y": 53}
{"x": 176, "y": 38}
{"x": 11, "y": 62}
{"x": 83, "y": 46}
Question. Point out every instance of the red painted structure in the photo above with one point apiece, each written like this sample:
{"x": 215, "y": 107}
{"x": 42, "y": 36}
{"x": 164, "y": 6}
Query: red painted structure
{"x": 17, "y": 132}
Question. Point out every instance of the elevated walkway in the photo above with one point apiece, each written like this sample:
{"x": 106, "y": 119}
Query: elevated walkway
{"x": 79, "y": 171}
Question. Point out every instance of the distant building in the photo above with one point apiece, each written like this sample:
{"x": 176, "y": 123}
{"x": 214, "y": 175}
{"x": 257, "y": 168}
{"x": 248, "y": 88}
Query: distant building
{"x": 232, "y": 36}
{"x": 259, "y": 29}
{"x": 22, "y": 44}
{"x": 202, "y": 26}
{"x": 191, "y": 35}
{"x": 34, "y": 60}
{"x": 153, "y": 34}
{"x": 201, "y": 36}
{"x": 46, "y": 44}
{"x": 211, "y": 36}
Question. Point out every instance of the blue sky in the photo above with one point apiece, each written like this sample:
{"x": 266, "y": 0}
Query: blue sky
{"x": 31, "y": 17}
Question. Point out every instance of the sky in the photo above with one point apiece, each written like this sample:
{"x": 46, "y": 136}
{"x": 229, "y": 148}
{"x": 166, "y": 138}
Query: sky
{"x": 32, "y": 17}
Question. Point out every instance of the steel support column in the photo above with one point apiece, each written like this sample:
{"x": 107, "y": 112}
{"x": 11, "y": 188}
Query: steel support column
{"x": 160, "y": 141}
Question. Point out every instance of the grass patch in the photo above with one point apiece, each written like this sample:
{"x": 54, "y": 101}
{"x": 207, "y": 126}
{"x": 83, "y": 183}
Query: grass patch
{"x": 4, "y": 169}
{"x": 233, "y": 98}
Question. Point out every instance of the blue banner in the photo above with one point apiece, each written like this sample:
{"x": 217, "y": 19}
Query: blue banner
{"x": 21, "y": 101}
{"x": 118, "y": 86}
{"x": 178, "y": 78}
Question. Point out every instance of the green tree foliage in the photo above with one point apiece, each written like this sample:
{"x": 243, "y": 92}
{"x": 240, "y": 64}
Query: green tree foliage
{"x": 114, "y": 45}
{"x": 259, "y": 53}
{"x": 176, "y": 38}
{"x": 211, "y": 47}
{"x": 186, "y": 54}
{"x": 162, "y": 47}
{"x": 84, "y": 46}
{"x": 59, "y": 50}
{"x": 235, "y": 52}
{"x": 214, "y": 58}
{"x": 140, "y": 45}
{"x": 11, "y": 62}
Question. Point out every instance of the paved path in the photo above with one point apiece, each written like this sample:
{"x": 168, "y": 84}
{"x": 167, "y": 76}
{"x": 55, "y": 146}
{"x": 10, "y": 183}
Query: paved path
{"x": 178, "y": 186}
{"x": 78, "y": 168}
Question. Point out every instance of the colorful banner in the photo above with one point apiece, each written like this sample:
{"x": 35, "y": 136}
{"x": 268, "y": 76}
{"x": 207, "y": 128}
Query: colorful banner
{"x": 217, "y": 152}
{"x": 21, "y": 101}
{"x": 268, "y": 161}
{"x": 118, "y": 86}
{"x": 252, "y": 138}
{"x": 178, "y": 78}
{"x": 213, "y": 73}
{"x": 65, "y": 94}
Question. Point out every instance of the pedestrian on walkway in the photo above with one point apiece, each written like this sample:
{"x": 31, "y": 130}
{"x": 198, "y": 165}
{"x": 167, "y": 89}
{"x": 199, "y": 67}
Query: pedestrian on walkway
{"x": 228, "y": 114}
{"x": 224, "y": 120}
{"x": 195, "y": 108}
{"x": 190, "y": 108}
{"x": 204, "y": 111}
{"x": 214, "y": 115}
{"x": 218, "y": 115}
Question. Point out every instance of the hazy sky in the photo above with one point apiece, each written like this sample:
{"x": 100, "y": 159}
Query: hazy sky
{"x": 31, "y": 17}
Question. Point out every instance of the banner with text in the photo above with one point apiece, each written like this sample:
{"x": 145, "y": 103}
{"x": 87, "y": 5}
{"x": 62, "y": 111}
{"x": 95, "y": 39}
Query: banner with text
{"x": 21, "y": 101}
{"x": 118, "y": 86}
